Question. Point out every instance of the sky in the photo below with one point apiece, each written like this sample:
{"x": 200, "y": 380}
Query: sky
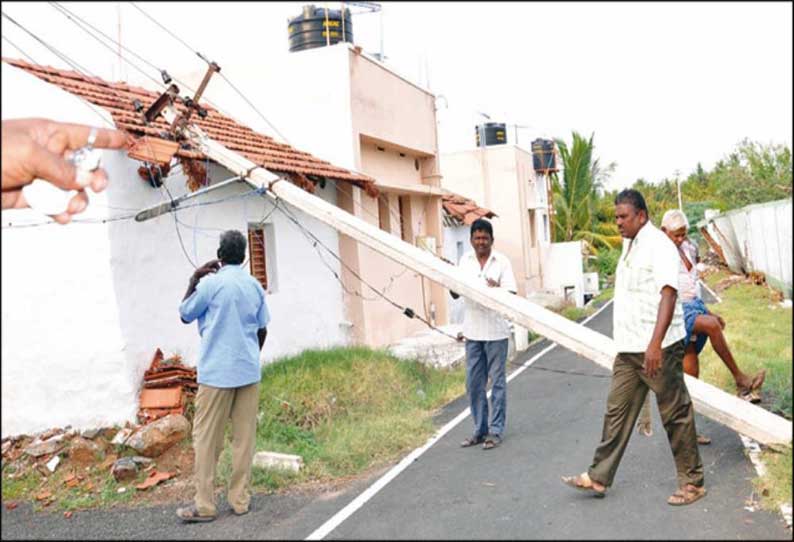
{"x": 662, "y": 86}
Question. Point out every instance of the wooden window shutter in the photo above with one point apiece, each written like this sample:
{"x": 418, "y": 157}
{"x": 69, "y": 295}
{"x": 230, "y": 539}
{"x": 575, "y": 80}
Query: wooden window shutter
{"x": 257, "y": 260}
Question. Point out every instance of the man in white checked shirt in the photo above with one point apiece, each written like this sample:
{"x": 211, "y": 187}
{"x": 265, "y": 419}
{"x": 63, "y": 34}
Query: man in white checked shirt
{"x": 486, "y": 334}
{"x": 648, "y": 331}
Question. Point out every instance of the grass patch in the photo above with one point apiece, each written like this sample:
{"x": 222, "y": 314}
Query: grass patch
{"x": 758, "y": 331}
{"x": 95, "y": 488}
{"x": 577, "y": 314}
{"x": 605, "y": 295}
{"x": 20, "y": 488}
{"x": 345, "y": 410}
{"x": 775, "y": 487}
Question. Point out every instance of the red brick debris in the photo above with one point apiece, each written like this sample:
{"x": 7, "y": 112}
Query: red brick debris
{"x": 168, "y": 386}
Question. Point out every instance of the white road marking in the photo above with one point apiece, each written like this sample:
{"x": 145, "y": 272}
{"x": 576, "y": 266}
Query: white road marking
{"x": 337, "y": 519}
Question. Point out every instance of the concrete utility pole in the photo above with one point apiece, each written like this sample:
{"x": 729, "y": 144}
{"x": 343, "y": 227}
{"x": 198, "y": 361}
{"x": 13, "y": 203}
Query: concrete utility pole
{"x": 742, "y": 416}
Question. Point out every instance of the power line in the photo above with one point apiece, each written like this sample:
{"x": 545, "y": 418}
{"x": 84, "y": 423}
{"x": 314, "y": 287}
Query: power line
{"x": 69, "y": 15}
{"x": 407, "y": 311}
{"x": 383, "y": 197}
{"x": 155, "y": 21}
{"x": 19, "y": 49}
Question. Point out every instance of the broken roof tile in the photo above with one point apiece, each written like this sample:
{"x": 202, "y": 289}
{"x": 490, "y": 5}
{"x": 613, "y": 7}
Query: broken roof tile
{"x": 463, "y": 210}
{"x": 263, "y": 150}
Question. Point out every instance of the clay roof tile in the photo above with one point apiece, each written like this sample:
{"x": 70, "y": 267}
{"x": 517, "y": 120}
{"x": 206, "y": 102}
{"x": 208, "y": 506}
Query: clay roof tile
{"x": 117, "y": 99}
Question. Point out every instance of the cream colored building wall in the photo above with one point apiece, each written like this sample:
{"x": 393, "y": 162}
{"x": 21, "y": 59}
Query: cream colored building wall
{"x": 394, "y": 127}
{"x": 495, "y": 177}
{"x": 339, "y": 105}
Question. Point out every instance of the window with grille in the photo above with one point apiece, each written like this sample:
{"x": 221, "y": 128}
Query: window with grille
{"x": 258, "y": 258}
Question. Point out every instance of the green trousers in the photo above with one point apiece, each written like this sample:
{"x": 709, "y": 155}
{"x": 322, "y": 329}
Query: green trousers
{"x": 626, "y": 396}
{"x": 214, "y": 407}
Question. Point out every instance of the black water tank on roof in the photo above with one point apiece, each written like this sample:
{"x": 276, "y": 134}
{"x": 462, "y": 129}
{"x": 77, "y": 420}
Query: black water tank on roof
{"x": 318, "y": 27}
{"x": 495, "y": 133}
{"x": 543, "y": 157}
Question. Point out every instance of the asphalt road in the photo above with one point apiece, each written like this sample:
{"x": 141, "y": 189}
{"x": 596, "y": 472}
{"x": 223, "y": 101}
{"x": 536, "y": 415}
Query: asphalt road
{"x": 512, "y": 492}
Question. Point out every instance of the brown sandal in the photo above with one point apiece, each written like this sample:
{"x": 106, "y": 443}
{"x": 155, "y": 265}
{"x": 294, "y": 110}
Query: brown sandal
{"x": 578, "y": 482}
{"x": 471, "y": 441}
{"x": 703, "y": 440}
{"x": 686, "y": 495}
{"x": 190, "y": 514}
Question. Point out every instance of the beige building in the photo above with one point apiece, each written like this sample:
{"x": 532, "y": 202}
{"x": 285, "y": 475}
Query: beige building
{"x": 502, "y": 178}
{"x": 346, "y": 107}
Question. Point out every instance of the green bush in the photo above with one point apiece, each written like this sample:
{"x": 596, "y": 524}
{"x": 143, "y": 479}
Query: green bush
{"x": 606, "y": 262}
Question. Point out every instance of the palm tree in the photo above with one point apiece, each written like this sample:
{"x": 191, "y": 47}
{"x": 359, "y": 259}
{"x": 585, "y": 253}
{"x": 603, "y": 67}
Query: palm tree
{"x": 576, "y": 196}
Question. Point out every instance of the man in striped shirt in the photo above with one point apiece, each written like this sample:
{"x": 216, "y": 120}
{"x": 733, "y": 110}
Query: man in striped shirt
{"x": 648, "y": 331}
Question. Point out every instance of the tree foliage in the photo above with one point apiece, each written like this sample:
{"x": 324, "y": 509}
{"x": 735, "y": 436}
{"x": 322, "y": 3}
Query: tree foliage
{"x": 577, "y": 195}
{"x": 752, "y": 173}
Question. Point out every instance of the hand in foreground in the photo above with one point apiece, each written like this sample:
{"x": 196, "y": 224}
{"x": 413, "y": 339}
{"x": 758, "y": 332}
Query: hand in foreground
{"x": 492, "y": 283}
{"x": 39, "y": 148}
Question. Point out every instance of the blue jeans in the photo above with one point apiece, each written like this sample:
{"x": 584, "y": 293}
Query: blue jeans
{"x": 484, "y": 358}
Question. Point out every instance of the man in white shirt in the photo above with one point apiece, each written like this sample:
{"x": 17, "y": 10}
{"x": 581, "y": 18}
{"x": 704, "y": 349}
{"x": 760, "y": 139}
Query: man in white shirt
{"x": 486, "y": 334}
{"x": 648, "y": 331}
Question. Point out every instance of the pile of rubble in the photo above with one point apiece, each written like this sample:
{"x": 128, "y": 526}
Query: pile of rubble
{"x": 168, "y": 388}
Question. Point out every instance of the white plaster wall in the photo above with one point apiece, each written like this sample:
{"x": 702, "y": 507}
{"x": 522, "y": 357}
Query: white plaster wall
{"x": 564, "y": 268}
{"x": 63, "y": 359}
{"x": 453, "y": 236}
{"x": 85, "y": 305}
{"x": 151, "y": 269}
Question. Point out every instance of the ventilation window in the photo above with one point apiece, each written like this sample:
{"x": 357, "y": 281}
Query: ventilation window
{"x": 257, "y": 260}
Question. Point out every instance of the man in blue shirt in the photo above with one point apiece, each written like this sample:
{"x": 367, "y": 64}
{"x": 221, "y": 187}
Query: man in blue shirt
{"x": 232, "y": 315}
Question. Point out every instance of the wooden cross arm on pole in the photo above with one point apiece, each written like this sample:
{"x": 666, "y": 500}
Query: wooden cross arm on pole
{"x": 739, "y": 415}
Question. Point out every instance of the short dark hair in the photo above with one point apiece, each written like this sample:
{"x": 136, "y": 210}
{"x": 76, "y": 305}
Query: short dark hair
{"x": 633, "y": 197}
{"x": 232, "y": 247}
{"x": 481, "y": 225}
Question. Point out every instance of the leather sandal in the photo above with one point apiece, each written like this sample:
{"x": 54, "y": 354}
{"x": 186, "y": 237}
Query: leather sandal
{"x": 686, "y": 495}
{"x": 190, "y": 514}
{"x": 583, "y": 483}
{"x": 471, "y": 441}
{"x": 491, "y": 442}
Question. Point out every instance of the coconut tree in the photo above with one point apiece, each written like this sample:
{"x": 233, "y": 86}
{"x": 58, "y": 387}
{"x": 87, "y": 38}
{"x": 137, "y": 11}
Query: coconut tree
{"x": 576, "y": 195}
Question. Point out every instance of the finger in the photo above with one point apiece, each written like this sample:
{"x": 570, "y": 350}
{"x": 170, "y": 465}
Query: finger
{"x": 13, "y": 199}
{"x": 78, "y": 203}
{"x": 74, "y": 136}
{"x": 63, "y": 218}
{"x": 98, "y": 180}
{"x": 51, "y": 167}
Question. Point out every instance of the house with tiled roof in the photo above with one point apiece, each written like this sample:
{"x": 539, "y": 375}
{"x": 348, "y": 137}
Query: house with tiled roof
{"x": 86, "y": 305}
{"x": 344, "y": 106}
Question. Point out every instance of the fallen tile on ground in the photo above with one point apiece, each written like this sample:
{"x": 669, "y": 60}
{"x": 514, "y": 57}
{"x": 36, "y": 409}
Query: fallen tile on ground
{"x": 155, "y": 477}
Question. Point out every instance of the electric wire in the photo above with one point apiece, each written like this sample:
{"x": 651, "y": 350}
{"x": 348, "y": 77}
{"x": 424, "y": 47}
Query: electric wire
{"x": 155, "y": 21}
{"x": 258, "y": 112}
{"x": 71, "y": 16}
{"x": 19, "y": 49}
{"x": 406, "y": 310}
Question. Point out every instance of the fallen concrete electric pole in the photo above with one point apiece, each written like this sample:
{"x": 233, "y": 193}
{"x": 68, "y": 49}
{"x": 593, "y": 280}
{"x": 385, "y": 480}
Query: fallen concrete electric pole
{"x": 746, "y": 418}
